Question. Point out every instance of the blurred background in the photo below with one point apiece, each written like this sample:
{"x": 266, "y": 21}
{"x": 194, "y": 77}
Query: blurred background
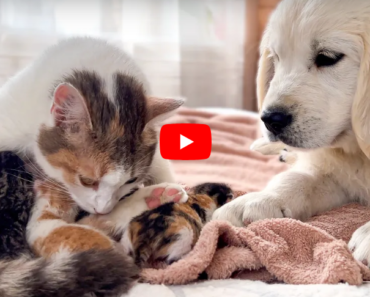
{"x": 204, "y": 50}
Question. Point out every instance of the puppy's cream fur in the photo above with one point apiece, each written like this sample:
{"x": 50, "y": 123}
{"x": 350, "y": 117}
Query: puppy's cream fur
{"x": 330, "y": 106}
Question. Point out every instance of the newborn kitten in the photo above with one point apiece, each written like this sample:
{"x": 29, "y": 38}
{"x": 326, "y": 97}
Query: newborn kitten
{"x": 170, "y": 231}
{"x": 167, "y": 232}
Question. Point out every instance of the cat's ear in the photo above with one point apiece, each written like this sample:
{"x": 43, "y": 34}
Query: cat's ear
{"x": 159, "y": 109}
{"x": 69, "y": 106}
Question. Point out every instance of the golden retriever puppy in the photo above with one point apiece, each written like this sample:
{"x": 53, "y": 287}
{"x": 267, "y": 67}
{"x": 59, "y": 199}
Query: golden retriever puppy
{"x": 314, "y": 96}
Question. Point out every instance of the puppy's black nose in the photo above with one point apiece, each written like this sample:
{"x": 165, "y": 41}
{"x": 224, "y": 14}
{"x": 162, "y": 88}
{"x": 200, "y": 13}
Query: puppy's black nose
{"x": 276, "y": 122}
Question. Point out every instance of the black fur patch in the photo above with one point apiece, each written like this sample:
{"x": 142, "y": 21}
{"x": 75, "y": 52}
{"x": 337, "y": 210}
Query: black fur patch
{"x": 16, "y": 201}
{"x": 218, "y": 191}
{"x": 200, "y": 211}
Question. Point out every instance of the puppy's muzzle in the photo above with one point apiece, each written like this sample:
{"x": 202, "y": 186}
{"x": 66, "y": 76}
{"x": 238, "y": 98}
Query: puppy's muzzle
{"x": 276, "y": 122}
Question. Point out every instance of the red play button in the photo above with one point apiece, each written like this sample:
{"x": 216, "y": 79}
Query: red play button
{"x": 185, "y": 141}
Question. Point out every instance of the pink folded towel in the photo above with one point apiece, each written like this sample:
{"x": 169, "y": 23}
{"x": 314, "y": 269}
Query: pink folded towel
{"x": 274, "y": 250}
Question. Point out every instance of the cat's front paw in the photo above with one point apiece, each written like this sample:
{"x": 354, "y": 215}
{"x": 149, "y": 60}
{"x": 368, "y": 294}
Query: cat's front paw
{"x": 165, "y": 193}
{"x": 360, "y": 244}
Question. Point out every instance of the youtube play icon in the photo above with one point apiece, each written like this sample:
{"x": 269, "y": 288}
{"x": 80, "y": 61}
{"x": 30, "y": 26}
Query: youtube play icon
{"x": 185, "y": 141}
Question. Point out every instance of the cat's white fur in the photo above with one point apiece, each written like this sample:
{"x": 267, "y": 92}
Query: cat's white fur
{"x": 25, "y": 103}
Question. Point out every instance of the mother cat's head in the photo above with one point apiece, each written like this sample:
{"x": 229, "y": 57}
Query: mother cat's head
{"x": 102, "y": 138}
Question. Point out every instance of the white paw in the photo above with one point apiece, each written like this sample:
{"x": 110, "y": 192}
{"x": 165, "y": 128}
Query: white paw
{"x": 265, "y": 147}
{"x": 251, "y": 207}
{"x": 360, "y": 244}
{"x": 165, "y": 193}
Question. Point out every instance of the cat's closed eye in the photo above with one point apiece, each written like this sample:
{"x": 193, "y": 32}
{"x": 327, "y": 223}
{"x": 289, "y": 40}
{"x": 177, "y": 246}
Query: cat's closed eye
{"x": 131, "y": 181}
{"x": 88, "y": 182}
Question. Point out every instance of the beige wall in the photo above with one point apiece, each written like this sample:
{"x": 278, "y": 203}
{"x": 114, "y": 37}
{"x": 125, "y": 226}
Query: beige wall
{"x": 258, "y": 12}
{"x": 265, "y": 7}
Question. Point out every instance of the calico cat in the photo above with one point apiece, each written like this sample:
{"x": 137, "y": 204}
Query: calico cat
{"x": 82, "y": 112}
{"x": 21, "y": 275}
{"x": 168, "y": 231}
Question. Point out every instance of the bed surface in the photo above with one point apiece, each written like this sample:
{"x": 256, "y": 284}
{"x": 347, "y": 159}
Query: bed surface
{"x": 246, "y": 288}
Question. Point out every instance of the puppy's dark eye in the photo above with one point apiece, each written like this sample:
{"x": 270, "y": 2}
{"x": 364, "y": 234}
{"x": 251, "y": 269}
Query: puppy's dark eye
{"x": 132, "y": 180}
{"x": 327, "y": 59}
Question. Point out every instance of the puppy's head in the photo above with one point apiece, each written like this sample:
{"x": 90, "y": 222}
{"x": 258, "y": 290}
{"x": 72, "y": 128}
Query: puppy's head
{"x": 314, "y": 72}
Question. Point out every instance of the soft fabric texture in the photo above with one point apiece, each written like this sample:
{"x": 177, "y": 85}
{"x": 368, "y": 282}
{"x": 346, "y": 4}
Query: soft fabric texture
{"x": 247, "y": 288}
{"x": 291, "y": 251}
{"x": 231, "y": 161}
{"x": 270, "y": 250}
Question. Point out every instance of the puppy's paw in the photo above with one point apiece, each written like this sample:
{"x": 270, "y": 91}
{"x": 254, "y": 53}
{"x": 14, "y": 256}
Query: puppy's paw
{"x": 360, "y": 244}
{"x": 288, "y": 157}
{"x": 265, "y": 147}
{"x": 251, "y": 207}
{"x": 165, "y": 193}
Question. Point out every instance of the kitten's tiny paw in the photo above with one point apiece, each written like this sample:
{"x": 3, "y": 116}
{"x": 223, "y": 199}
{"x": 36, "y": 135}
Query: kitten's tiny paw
{"x": 360, "y": 244}
{"x": 164, "y": 193}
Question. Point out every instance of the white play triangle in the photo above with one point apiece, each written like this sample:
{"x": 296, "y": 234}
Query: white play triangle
{"x": 184, "y": 141}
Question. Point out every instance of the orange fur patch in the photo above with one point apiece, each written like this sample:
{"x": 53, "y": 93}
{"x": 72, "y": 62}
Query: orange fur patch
{"x": 93, "y": 164}
{"x": 204, "y": 201}
{"x": 105, "y": 226}
{"x": 135, "y": 228}
{"x": 67, "y": 161}
{"x": 116, "y": 130}
{"x": 48, "y": 215}
{"x": 72, "y": 238}
{"x": 186, "y": 208}
{"x": 57, "y": 195}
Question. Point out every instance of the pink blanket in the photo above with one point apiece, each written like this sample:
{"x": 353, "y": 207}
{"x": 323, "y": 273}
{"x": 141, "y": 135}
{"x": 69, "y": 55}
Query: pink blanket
{"x": 231, "y": 161}
{"x": 270, "y": 250}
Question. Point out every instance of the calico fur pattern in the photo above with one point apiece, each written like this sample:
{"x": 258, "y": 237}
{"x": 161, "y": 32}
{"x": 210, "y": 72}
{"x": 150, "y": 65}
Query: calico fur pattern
{"x": 113, "y": 132}
{"x": 170, "y": 231}
{"x": 65, "y": 275}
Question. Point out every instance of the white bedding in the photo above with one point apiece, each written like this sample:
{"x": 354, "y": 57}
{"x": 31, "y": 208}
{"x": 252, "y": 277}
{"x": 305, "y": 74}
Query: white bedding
{"x": 244, "y": 288}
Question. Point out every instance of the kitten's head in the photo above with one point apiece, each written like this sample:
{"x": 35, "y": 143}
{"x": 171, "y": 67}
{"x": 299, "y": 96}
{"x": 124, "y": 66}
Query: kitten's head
{"x": 100, "y": 143}
{"x": 219, "y": 192}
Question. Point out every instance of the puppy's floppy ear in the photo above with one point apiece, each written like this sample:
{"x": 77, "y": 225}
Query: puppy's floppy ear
{"x": 265, "y": 71}
{"x": 361, "y": 103}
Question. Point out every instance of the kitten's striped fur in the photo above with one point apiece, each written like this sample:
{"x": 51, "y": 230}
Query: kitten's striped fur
{"x": 170, "y": 231}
